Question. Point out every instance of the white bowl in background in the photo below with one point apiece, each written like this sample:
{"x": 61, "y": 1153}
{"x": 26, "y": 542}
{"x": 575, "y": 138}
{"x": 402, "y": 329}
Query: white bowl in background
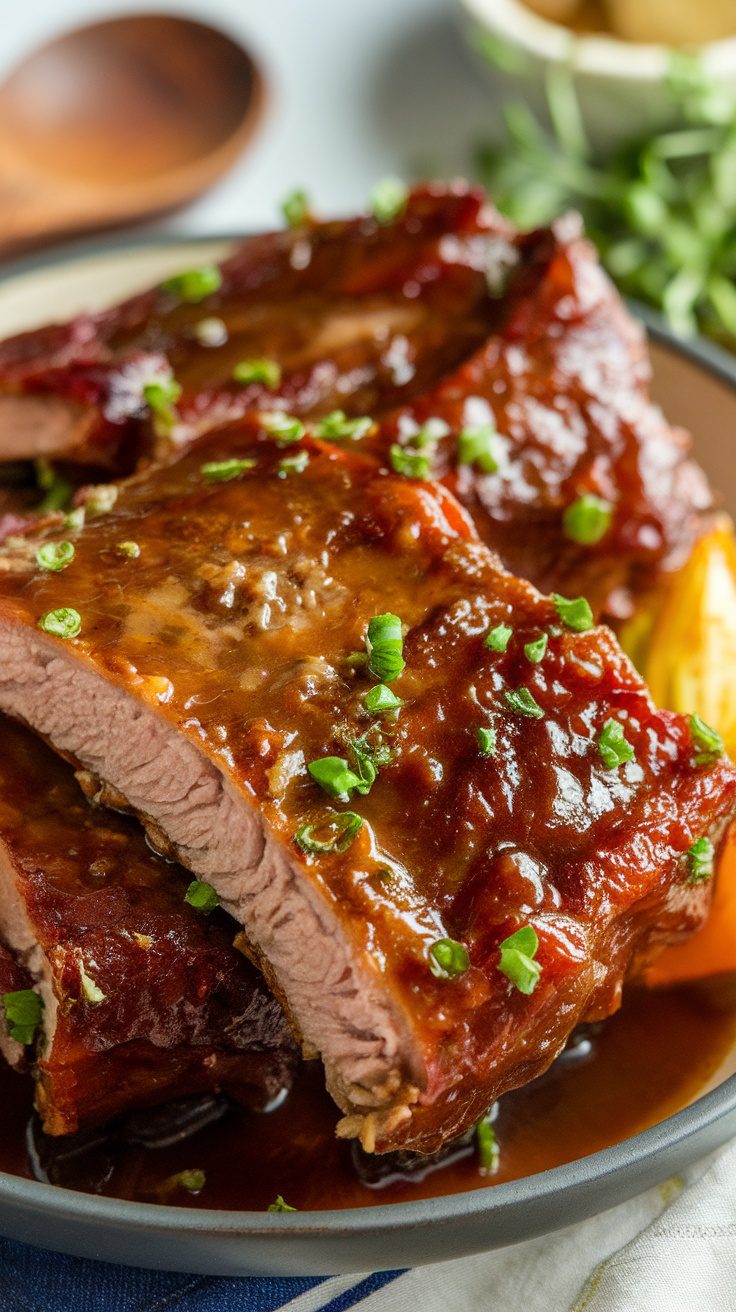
{"x": 621, "y": 84}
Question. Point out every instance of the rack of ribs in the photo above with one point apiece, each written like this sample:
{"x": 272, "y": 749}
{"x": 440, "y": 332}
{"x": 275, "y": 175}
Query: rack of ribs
{"x": 440, "y": 804}
{"x": 515, "y": 345}
{"x": 128, "y": 995}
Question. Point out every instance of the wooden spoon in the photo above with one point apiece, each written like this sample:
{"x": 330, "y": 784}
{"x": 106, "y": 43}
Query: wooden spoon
{"x": 118, "y": 121}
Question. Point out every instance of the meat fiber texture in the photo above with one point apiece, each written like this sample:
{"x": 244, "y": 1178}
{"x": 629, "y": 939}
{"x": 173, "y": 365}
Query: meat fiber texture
{"x": 206, "y": 669}
{"x": 144, "y": 998}
{"x": 443, "y": 313}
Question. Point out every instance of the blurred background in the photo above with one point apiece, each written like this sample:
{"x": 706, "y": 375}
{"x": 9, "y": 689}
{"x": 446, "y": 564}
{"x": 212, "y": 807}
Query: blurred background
{"x": 621, "y": 108}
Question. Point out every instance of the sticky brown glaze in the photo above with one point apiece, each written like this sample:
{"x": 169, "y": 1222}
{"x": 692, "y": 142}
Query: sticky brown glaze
{"x": 359, "y": 316}
{"x": 100, "y": 914}
{"x": 231, "y": 635}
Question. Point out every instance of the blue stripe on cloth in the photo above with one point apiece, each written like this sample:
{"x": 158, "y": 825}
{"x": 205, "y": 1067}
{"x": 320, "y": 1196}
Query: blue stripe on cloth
{"x": 351, "y": 1297}
{"x": 35, "y": 1281}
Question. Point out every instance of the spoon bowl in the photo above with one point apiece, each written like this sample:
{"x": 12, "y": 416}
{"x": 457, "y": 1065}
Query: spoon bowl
{"x": 118, "y": 121}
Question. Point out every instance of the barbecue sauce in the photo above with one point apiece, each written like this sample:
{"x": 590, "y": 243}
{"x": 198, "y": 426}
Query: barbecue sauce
{"x": 657, "y": 1054}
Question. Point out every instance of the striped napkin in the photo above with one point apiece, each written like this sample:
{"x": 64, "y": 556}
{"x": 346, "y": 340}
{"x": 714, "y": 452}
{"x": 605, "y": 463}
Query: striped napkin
{"x": 670, "y": 1250}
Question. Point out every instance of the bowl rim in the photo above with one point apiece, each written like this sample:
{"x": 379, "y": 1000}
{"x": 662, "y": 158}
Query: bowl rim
{"x": 608, "y": 1164}
{"x": 599, "y": 55}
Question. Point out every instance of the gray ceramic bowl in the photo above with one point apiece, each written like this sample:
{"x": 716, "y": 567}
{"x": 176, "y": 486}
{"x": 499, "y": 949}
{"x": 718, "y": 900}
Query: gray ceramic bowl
{"x": 697, "y": 384}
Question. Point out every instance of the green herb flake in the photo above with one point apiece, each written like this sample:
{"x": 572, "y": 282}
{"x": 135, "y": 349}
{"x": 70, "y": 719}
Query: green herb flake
{"x": 708, "y": 742}
{"x": 224, "y": 471}
{"x": 448, "y": 958}
{"x": 522, "y": 702}
{"x": 62, "y": 623}
{"x": 336, "y": 427}
{"x": 486, "y": 739}
{"x": 410, "y": 463}
{"x": 612, "y": 745}
{"x": 381, "y": 700}
{"x": 575, "y": 612}
{"x": 23, "y": 1012}
{"x": 192, "y": 1180}
{"x": 587, "y": 520}
{"x": 280, "y": 1206}
{"x": 267, "y": 372}
{"x": 487, "y": 1144}
{"x": 202, "y": 896}
{"x": 497, "y": 639}
{"x": 57, "y": 492}
{"x": 295, "y": 463}
{"x": 55, "y": 556}
{"x": 334, "y": 775}
{"x": 384, "y": 644}
{"x": 388, "y": 199}
{"x": 475, "y": 446}
{"x": 161, "y": 396}
{"x": 281, "y": 427}
{"x": 700, "y": 860}
{"x": 128, "y": 550}
{"x": 296, "y": 208}
{"x": 341, "y": 830}
{"x": 517, "y": 959}
{"x": 194, "y": 285}
{"x": 536, "y": 650}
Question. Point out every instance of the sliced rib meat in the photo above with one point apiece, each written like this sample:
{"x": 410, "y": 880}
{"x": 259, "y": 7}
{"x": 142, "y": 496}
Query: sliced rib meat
{"x": 144, "y": 998}
{"x": 445, "y": 312}
{"x": 212, "y": 666}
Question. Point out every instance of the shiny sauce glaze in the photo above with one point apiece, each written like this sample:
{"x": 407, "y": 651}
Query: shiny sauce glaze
{"x": 614, "y": 1079}
{"x": 235, "y": 624}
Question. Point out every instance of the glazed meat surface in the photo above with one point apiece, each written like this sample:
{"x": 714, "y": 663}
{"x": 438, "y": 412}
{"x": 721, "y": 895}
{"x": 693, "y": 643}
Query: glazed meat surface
{"x": 443, "y": 313}
{"x": 205, "y": 672}
{"x": 144, "y": 998}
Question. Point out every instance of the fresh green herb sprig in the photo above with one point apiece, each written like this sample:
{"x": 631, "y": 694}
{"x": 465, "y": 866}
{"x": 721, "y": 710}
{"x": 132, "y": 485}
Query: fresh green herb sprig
{"x": 661, "y": 208}
{"x": 23, "y": 1012}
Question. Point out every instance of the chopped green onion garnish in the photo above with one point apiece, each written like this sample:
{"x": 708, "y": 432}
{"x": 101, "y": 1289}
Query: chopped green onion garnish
{"x": 162, "y": 397}
{"x": 100, "y": 500}
{"x": 379, "y": 753}
{"x": 448, "y": 958}
{"x": 708, "y": 742}
{"x": 612, "y": 745}
{"x": 55, "y": 556}
{"x": 498, "y": 638}
{"x": 295, "y": 208}
{"x": 280, "y": 1206}
{"x": 62, "y": 623}
{"x": 334, "y": 775}
{"x": 344, "y": 826}
{"x": 365, "y": 766}
{"x": 475, "y": 447}
{"x": 74, "y": 519}
{"x": 700, "y": 860}
{"x": 336, "y": 426}
{"x": 193, "y": 1181}
{"x": 388, "y": 199}
{"x": 587, "y": 520}
{"x": 522, "y": 702}
{"x": 130, "y": 550}
{"x": 488, "y": 1150}
{"x": 223, "y": 471}
{"x": 267, "y": 372}
{"x": 194, "y": 285}
{"x": 412, "y": 464}
{"x": 282, "y": 427}
{"x": 535, "y": 650}
{"x": 385, "y": 643}
{"x": 201, "y": 896}
{"x": 23, "y": 1011}
{"x": 575, "y": 612}
{"x": 56, "y": 489}
{"x": 296, "y": 463}
{"x": 486, "y": 740}
{"x": 517, "y": 959}
{"x": 380, "y": 700}
{"x": 211, "y": 331}
{"x": 430, "y": 433}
